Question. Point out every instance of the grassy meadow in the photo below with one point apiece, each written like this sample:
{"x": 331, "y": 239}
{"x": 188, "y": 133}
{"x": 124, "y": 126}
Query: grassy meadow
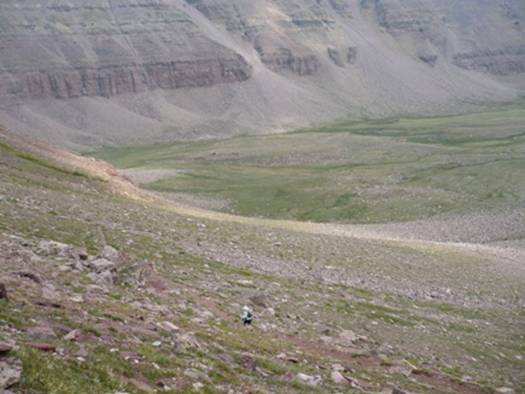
{"x": 355, "y": 172}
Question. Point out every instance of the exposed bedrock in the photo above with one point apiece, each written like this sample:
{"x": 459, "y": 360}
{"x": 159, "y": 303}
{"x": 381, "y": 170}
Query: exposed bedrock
{"x": 71, "y": 48}
{"x": 176, "y": 69}
{"x": 117, "y": 79}
{"x": 335, "y": 56}
{"x": 479, "y": 35}
{"x": 339, "y": 58}
{"x": 503, "y": 61}
{"x": 285, "y": 60}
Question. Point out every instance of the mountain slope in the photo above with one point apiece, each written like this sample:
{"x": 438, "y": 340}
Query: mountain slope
{"x": 124, "y": 72}
{"x": 110, "y": 288}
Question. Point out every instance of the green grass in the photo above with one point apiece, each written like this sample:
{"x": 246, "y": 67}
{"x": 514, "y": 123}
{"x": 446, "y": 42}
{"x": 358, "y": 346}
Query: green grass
{"x": 41, "y": 163}
{"x": 48, "y": 373}
{"x": 83, "y": 212}
{"x": 361, "y": 172}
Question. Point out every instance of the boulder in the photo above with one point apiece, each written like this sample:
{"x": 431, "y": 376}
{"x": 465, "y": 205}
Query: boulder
{"x": 5, "y": 348}
{"x": 309, "y": 380}
{"x": 72, "y": 335}
{"x": 504, "y": 390}
{"x": 82, "y": 255}
{"x": 50, "y": 296}
{"x": 103, "y": 279}
{"x": 101, "y": 264}
{"x": 197, "y": 386}
{"x": 338, "y": 378}
{"x": 10, "y": 372}
{"x": 82, "y": 352}
{"x": 110, "y": 253}
{"x": 54, "y": 248}
{"x": 335, "y": 56}
{"x": 168, "y": 326}
{"x": 141, "y": 385}
{"x": 41, "y": 332}
{"x": 348, "y": 337}
{"x": 338, "y": 367}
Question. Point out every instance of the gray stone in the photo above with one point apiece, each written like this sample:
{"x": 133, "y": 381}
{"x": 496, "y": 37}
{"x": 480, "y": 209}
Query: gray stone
{"x": 338, "y": 378}
{"x": 187, "y": 341}
{"x": 53, "y": 248}
{"x": 110, "y": 253}
{"x": 5, "y": 348}
{"x": 41, "y": 332}
{"x": 50, "y": 295}
{"x": 10, "y": 372}
{"x": 504, "y": 390}
{"x": 309, "y": 380}
{"x": 348, "y": 337}
{"x": 168, "y": 326}
{"x": 101, "y": 264}
{"x": 72, "y": 336}
{"x": 103, "y": 279}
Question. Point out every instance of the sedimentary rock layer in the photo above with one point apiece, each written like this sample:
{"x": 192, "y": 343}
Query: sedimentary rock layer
{"x": 111, "y": 80}
{"x": 502, "y": 61}
{"x": 68, "y": 49}
{"x": 119, "y": 71}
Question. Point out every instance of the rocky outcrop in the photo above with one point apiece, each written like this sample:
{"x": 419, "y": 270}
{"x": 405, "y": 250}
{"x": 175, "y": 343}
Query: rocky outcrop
{"x": 502, "y": 62}
{"x": 342, "y": 7}
{"x": 204, "y": 68}
{"x": 69, "y": 49}
{"x": 494, "y": 46}
{"x": 107, "y": 81}
{"x": 411, "y": 15}
{"x": 10, "y": 372}
{"x": 351, "y": 55}
{"x": 339, "y": 59}
{"x": 284, "y": 60}
{"x": 336, "y": 57}
{"x": 429, "y": 59}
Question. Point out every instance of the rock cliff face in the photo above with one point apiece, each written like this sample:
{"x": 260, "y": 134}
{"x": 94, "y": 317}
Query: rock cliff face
{"x": 67, "y": 49}
{"x": 111, "y": 80}
{"x": 502, "y": 61}
{"x": 122, "y": 71}
{"x": 485, "y": 36}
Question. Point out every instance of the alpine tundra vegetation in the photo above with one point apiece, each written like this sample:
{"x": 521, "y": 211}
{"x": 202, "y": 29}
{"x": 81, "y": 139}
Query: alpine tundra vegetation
{"x": 262, "y": 196}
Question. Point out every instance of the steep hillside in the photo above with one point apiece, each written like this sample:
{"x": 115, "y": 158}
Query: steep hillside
{"x": 126, "y": 71}
{"x": 105, "y": 288}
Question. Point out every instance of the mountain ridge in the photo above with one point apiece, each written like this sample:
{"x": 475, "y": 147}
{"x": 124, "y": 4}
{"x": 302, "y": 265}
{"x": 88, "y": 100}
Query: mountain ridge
{"x": 127, "y": 72}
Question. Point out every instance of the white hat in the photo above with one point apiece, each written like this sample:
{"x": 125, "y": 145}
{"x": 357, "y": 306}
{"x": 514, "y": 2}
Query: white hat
{"x": 245, "y": 308}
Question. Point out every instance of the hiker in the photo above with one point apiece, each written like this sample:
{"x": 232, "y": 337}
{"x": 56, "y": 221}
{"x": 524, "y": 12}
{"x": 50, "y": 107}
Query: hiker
{"x": 247, "y": 315}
